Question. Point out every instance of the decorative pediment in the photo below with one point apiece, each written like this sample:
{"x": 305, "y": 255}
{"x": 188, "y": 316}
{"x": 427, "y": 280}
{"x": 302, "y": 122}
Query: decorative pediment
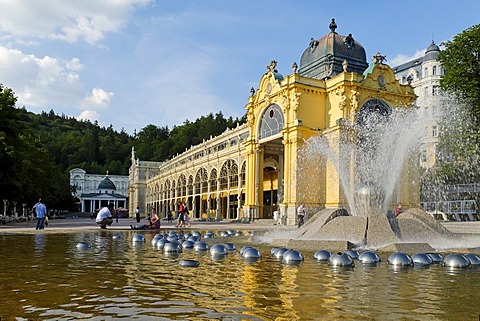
{"x": 270, "y": 85}
{"x": 380, "y": 78}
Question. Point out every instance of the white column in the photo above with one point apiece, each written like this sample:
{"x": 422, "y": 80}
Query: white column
{"x": 239, "y": 195}
{"x": 208, "y": 200}
{"x": 228, "y": 196}
{"x": 257, "y": 183}
{"x": 218, "y": 216}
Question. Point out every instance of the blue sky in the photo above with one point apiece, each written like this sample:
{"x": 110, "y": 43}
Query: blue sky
{"x": 131, "y": 63}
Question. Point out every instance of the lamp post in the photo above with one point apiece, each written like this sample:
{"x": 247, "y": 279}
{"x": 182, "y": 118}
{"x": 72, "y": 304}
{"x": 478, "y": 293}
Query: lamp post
{"x": 5, "y": 203}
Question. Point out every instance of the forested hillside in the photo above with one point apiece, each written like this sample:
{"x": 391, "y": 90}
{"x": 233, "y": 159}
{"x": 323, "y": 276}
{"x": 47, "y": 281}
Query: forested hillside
{"x": 37, "y": 151}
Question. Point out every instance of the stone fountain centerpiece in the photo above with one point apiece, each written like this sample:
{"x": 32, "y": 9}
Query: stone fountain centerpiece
{"x": 370, "y": 170}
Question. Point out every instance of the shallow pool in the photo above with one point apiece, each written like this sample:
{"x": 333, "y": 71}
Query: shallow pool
{"x": 47, "y": 277}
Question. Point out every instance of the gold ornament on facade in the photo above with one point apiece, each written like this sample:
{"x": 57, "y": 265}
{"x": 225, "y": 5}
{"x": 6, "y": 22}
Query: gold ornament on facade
{"x": 285, "y": 102}
{"x": 268, "y": 100}
{"x": 354, "y": 99}
{"x": 295, "y": 101}
{"x": 294, "y": 67}
{"x": 345, "y": 65}
{"x": 250, "y": 118}
{"x": 343, "y": 99}
{"x": 272, "y": 66}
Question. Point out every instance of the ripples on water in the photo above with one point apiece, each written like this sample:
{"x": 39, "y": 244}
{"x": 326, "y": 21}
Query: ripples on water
{"x": 47, "y": 277}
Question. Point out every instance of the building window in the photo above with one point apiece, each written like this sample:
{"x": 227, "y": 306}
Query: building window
{"x": 271, "y": 122}
{"x": 434, "y": 70}
{"x": 435, "y": 90}
{"x": 425, "y": 72}
{"x": 435, "y": 131}
{"x": 426, "y": 91}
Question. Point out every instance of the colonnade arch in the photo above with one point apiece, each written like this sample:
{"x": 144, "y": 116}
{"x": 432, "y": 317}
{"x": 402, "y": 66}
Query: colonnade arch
{"x": 210, "y": 192}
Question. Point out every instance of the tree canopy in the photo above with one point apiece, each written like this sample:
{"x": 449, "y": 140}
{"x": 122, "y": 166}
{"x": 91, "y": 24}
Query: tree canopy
{"x": 461, "y": 60}
{"x": 37, "y": 151}
{"x": 458, "y": 151}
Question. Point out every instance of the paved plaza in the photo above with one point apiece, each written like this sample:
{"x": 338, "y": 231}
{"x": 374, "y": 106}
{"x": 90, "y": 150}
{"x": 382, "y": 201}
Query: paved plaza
{"x": 86, "y": 224}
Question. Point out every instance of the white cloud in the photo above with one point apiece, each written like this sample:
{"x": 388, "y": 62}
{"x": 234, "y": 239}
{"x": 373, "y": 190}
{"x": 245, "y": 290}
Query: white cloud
{"x": 42, "y": 83}
{"x": 67, "y": 20}
{"x": 401, "y": 58}
{"x": 99, "y": 97}
{"x": 39, "y": 82}
{"x": 74, "y": 64}
{"x": 91, "y": 115}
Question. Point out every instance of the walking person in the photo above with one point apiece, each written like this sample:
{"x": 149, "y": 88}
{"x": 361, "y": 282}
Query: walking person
{"x": 169, "y": 215}
{"x": 187, "y": 217}
{"x": 137, "y": 214}
{"x": 41, "y": 210}
{"x": 301, "y": 214}
{"x": 181, "y": 215}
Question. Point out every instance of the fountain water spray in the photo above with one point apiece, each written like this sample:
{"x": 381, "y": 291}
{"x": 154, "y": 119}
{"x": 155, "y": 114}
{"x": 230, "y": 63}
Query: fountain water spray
{"x": 376, "y": 150}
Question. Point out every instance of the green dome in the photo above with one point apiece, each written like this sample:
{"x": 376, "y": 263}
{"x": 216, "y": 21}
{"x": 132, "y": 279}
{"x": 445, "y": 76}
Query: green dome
{"x": 106, "y": 183}
{"x": 324, "y": 57}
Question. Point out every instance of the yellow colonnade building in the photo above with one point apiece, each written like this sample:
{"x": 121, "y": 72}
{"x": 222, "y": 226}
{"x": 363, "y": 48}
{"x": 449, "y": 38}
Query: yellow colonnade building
{"x": 252, "y": 171}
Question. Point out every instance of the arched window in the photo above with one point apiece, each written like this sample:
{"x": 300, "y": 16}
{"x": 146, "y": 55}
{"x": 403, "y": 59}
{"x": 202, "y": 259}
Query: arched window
{"x": 213, "y": 180}
{"x": 373, "y": 111}
{"x": 425, "y": 72}
{"x": 271, "y": 122}
{"x": 434, "y": 70}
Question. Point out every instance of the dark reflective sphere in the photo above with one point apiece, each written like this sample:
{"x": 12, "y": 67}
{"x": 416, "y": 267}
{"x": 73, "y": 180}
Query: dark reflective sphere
{"x": 292, "y": 255}
{"x": 474, "y": 259}
{"x": 218, "y": 250}
{"x": 189, "y": 263}
{"x": 200, "y": 246}
{"x": 421, "y": 259}
{"x": 340, "y": 259}
{"x": 83, "y": 245}
{"x": 172, "y": 247}
{"x": 188, "y": 244}
{"x": 369, "y": 257}
{"x": 436, "y": 257}
{"x": 400, "y": 259}
{"x": 456, "y": 260}
{"x": 278, "y": 254}
{"x": 161, "y": 243}
{"x": 322, "y": 255}
{"x": 353, "y": 254}
{"x": 251, "y": 254}
{"x": 138, "y": 238}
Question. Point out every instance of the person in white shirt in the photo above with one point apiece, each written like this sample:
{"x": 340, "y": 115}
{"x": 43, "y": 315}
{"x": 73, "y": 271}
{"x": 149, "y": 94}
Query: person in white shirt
{"x": 104, "y": 216}
{"x": 301, "y": 215}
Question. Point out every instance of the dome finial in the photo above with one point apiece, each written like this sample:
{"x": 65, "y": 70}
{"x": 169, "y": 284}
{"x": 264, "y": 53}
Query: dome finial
{"x": 378, "y": 58}
{"x": 272, "y": 67}
{"x": 333, "y": 25}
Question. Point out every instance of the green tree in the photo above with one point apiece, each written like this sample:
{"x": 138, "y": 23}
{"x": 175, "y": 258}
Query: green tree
{"x": 9, "y": 141}
{"x": 457, "y": 151}
{"x": 461, "y": 60}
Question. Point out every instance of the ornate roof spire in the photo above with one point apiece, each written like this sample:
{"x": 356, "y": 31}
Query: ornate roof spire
{"x": 333, "y": 25}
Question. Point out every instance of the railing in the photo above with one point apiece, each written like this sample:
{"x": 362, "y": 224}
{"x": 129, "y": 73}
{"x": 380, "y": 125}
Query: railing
{"x": 453, "y": 189}
{"x": 455, "y": 210}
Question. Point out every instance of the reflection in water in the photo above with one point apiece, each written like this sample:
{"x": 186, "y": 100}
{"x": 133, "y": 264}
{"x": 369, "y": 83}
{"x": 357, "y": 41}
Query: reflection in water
{"x": 116, "y": 279}
{"x": 39, "y": 240}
